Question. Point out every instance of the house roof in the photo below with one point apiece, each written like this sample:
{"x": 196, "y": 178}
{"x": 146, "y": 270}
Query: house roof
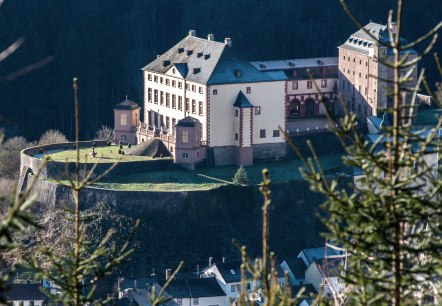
{"x": 153, "y": 147}
{"x": 231, "y": 271}
{"x": 194, "y": 288}
{"x": 242, "y": 101}
{"x": 206, "y": 62}
{"x": 291, "y": 64}
{"x": 317, "y": 253}
{"x": 297, "y": 266}
{"x": 136, "y": 282}
{"x": 24, "y": 292}
{"x": 188, "y": 122}
{"x": 127, "y": 105}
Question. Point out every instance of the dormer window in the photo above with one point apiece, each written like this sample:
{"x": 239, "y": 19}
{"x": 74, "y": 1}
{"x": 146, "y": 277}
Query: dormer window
{"x": 206, "y": 56}
{"x": 199, "y": 54}
{"x": 238, "y": 73}
{"x": 180, "y": 50}
{"x": 196, "y": 70}
{"x": 291, "y": 64}
{"x": 166, "y": 63}
{"x": 262, "y": 66}
{"x": 189, "y": 52}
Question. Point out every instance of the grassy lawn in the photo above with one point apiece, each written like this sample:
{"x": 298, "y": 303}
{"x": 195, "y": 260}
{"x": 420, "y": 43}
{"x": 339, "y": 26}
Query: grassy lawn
{"x": 107, "y": 154}
{"x": 209, "y": 178}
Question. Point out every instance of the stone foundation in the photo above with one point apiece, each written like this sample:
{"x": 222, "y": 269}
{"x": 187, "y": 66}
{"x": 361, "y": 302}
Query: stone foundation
{"x": 224, "y": 156}
{"x": 269, "y": 151}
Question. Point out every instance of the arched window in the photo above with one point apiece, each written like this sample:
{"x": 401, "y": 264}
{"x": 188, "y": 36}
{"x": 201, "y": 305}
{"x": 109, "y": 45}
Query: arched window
{"x": 123, "y": 119}
{"x": 185, "y": 136}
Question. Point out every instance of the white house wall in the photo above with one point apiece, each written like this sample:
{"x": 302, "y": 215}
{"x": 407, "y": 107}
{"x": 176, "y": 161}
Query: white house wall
{"x": 205, "y": 301}
{"x": 269, "y": 96}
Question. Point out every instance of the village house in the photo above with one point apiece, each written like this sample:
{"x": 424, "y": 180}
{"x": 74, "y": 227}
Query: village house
{"x": 25, "y": 295}
{"x": 196, "y": 292}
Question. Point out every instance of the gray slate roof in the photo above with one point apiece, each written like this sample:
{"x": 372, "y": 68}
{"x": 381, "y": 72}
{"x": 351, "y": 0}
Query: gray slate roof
{"x": 295, "y": 63}
{"x": 362, "y": 42}
{"x": 194, "y": 288}
{"x": 209, "y": 62}
{"x": 127, "y": 105}
{"x": 24, "y": 292}
{"x": 188, "y": 121}
{"x": 242, "y": 101}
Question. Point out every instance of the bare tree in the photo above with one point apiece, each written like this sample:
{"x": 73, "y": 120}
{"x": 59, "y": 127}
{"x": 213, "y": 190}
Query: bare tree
{"x": 10, "y": 156}
{"x": 52, "y": 136}
{"x": 104, "y": 133}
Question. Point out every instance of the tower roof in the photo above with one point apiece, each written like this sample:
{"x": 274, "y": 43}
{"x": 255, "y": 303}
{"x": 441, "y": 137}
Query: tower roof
{"x": 126, "y": 105}
{"x": 188, "y": 122}
{"x": 242, "y": 101}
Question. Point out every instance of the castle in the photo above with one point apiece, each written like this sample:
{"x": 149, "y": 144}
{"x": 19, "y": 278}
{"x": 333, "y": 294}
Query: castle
{"x": 201, "y": 95}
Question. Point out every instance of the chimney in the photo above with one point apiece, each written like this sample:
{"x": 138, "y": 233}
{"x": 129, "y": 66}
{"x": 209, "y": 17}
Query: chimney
{"x": 158, "y": 55}
{"x": 228, "y": 41}
{"x": 224, "y": 259}
{"x": 238, "y": 73}
{"x": 168, "y": 273}
{"x": 393, "y": 26}
{"x": 210, "y": 261}
{"x": 192, "y": 33}
{"x": 210, "y": 37}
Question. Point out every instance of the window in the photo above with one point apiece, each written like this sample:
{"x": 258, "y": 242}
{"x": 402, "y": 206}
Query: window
{"x": 186, "y": 156}
{"x": 323, "y": 83}
{"x": 173, "y": 101}
{"x": 309, "y": 84}
{"x": 349, "y": 58}
{"x": 295, "y": 85}
{"x": 200, "y": 90}
{"x": 360, "y": 74}
{"x": 233, "y": 288}
{"x": 180, "y": 103}
{"x": 161, "y": 80}
{"x": 167, "y": 122}
{"x": 343, "y": 84}
{"x": 155, "y": 96}
{"x": 200, "y": 108}
{"x": 366, "y": 63}
{"x": 173, "y": 83}
{"x": 185, "y": 136}
{"x": 344, "y": 57}
{"x": 180, "y": 85}
{"x": 187, "y": 87}
{"x": 354, "y": 60}
{"x": 123, "y": 119}
{"x": 262, "y": 133}
{"x": 194, "y": 88}
{"x": 236, "y": 113}
{"x": 360, "y": 62}
{"x": 187, "y": 105}
{"x": 149, "y": 77}
{"x": 167, "y": 82}
{"x": 275, "y": 133}
{"x": 173, "y": 122}
{"x": 353, "y": 72}
{"x": 195, "y": 301}
{"x": 149, "y": 95}
{"x": 215, "y": 92}
{"x": 193, "y": 106}
{"x": 236, "y": 136}
{"x": 167, "y": 99}
{"x": 249, "y": 90}
{"x": 161, "y": 97}
{"x": 366, "y": 76}
{"x": 366, "y": 91}
{"x": 258, "y": 110}
{"x": 155, "y": 78}
{"x": 179, "y": 301}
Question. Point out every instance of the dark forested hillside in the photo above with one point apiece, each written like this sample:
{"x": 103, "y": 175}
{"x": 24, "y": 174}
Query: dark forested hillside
{"x": 105, "y": 43}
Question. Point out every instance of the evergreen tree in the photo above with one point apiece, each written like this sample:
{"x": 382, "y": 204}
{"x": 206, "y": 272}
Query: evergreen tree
{"x": 390, "y": 223}
{"x": 241, "y": 177}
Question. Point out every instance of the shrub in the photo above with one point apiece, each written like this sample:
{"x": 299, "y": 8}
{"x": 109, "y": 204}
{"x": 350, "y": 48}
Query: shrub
{"x": 109, "y": 143}
{"x": 129, "y": 145}
{"x": 241, "y": 176}
{"x": 52, "y": 136}
{"x": 121, "y": 146}
{"x": 104, "y": 133}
